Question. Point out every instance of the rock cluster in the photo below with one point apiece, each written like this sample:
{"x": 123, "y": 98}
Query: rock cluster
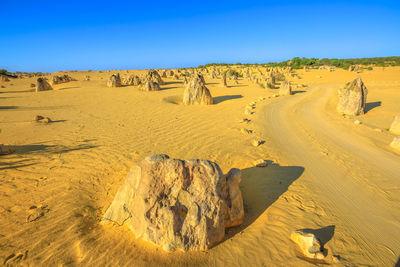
{"x": 152, "y": 75}
{"x": 61, "y": 79}
{"x": 42, "y": 85}
{"x": 196, "y": 92}
{"x": 352, "y": 98}
{"x": 178, "y": 204}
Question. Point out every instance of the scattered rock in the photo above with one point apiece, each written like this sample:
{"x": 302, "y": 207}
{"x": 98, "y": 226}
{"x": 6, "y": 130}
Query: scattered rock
{"x": 245, "y": 131}
{"x": 396, "y": 143}
{"x": 357, "y": 122}
{"x": 352, "y": 98}
{"x": 309, "y": 245}
{"x": 196, "y": 92}
{"x": 256, "y": 142}
{"x": 260, "y": 163}
{"x": 87, "y": 78}
{"x": 244, "y": 120}
{"x": 178, "y": 204}
{"x": 42, "y": 85}
{"x": 42, "y": 119}
{"x": 395, "y": 126}
{"x": 33, "y": 85}
{"x": 248, "y": 112}
{"x": 114, "y": 81}
{"x": 5, "y": 150}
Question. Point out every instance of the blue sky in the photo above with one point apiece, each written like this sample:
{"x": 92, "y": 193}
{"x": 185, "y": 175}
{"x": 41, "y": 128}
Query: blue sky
{"x": 49, "y": 36}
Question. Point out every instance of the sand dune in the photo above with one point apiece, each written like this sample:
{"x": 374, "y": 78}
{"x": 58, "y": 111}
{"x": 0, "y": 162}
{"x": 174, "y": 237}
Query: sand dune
{"x": 325, "y": 173}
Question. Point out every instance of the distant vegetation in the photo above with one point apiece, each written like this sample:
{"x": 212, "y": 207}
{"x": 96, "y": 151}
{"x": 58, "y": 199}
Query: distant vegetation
{"x": 3, "y": 71}
{"x": 298, "y": 62}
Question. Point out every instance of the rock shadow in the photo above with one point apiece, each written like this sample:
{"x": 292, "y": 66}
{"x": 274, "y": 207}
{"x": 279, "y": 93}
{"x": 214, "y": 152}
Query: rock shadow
{"x": 8, "y": 107}
{"x": 372, "y": 105}
{"x": 261, "y": 187}
{"x": 397, "y": 263}
{"x": 220, "y": 99}
{"x": 324, "y": 234}
{"x": 41, "y": 148}
{"x": 298, "y": 92}
{"x": 66, "y": 88}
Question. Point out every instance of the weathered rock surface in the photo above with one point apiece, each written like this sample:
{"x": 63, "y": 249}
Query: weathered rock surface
{"x": 196, "y": 92}
{"x": 152, "y": 75}
{"x": 260, "y": 163}
{"x": 150, "y": 85}
{"x": 4, "y": 78}
{"x": 42, "y": 119}
{"x": 309, "y": 245}
{"x": 352, "y": 98}
{"x": 61, "y": 79}
{"x": 285, "y": 89}
{"x": 42, "y": 85}
{"x": 114, "y": 81}
{"x": 395, "y": 126}
{"x": 178, "y": 204}
{"x": 396, "y": 143}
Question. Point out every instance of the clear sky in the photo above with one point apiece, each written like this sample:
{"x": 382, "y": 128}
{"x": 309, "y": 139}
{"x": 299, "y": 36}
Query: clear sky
{"x": 49, "y": 36}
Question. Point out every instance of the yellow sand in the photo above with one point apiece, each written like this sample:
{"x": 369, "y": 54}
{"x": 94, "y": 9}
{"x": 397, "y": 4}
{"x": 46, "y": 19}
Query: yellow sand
{"x": 325, "y": 172}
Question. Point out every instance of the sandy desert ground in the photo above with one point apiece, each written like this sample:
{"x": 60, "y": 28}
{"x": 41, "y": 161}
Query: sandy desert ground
{"x": 325, "y": 172}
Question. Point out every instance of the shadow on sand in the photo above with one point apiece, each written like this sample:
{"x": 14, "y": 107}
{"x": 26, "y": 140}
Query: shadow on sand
{"x": 372, "y": 105}
{"x": 223, "y": 98}
{"x": 298, "y": 92}
{"x": 16, "y": 159}
{"x": 261, "y": 187}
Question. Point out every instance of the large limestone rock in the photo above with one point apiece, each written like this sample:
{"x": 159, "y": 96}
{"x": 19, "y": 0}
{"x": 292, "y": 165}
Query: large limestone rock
{"x": 152, "y": 75}
{"x": 352, "y": 98}
{"x": 285, "y": 89}
{"x": 395, "y": 126}
{"x": 114, "y": 81}
{"x": 150, "y": 86}
{"x": 196, "y": 92}
{"x": 178, "y": 204}
{"x": 42, "y": 85}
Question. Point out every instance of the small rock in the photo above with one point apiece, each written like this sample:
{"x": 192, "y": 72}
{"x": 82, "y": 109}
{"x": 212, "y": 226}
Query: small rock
{"x": 378, "y": 130}
{"x": 248, "y": 112}
{"x": 5, "y": 150}
{"x": 309, "y": 245}
{"x": 256, "y": 142}
{"x": 395, "y": 126}
{"x": 33, "y": 85}
{"x": 396, "y": 143}
{"x": 261, "y": 98}
{"x": 42, "y": 119}
{"x": 244, "y": 120}
{"x": 357, "y": 122}
{"x": 245, "y": 131}
{"x": 260, "y": 163}
{"x": 335, "y": 258}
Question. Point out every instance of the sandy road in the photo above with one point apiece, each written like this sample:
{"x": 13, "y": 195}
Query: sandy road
{"x": 353, "y": 178}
